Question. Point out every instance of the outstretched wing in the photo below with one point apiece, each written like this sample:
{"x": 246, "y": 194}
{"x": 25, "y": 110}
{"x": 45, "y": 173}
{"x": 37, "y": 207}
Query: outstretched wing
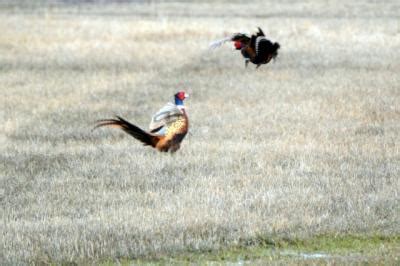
{"x": 235, "y": 37}
{"x": 164, "y": 117}
{"x": 218, "y": 43}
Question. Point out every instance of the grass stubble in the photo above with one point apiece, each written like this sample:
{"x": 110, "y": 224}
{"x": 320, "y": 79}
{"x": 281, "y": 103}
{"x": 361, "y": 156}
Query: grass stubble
{"x": 303, "y": 147}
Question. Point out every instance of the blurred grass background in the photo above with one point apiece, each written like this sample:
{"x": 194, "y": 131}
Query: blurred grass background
{"x": 304, "y": 146}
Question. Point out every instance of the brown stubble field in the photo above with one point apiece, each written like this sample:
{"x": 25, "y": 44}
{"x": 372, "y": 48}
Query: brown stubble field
{"x": 305, "y": 146}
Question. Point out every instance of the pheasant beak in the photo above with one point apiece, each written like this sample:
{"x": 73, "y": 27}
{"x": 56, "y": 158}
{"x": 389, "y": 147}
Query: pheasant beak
{"x": 186, "y": 95}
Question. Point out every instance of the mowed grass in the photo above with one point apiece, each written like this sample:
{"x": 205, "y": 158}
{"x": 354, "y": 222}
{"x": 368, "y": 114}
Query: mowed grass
{"x": 305, "y": 146}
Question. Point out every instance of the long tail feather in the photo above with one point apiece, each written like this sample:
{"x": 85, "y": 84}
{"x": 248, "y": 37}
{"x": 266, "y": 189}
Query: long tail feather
{"x": 134, "y": 131}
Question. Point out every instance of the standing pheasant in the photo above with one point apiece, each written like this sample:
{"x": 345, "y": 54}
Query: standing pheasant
{"x": 167, "y": 128}
{"x": 256, "y": 48}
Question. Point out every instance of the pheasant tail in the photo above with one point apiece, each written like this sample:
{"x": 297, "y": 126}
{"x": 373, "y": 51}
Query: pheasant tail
{"x": 134, "y": 131}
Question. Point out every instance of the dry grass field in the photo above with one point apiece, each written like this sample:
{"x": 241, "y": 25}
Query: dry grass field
{"x": 306, "y": 146}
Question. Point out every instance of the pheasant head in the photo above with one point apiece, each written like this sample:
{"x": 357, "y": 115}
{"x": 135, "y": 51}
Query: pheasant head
{"x": 180, "y": 97}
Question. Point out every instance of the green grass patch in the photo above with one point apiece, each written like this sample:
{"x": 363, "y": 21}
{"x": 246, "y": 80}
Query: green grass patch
{"x": 343, "y": 243}
{"x": 344, "y": 248}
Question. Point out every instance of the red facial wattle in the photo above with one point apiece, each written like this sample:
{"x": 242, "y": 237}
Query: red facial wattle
{"x": 238, "y": 45}
{"x": 181, "y": 95}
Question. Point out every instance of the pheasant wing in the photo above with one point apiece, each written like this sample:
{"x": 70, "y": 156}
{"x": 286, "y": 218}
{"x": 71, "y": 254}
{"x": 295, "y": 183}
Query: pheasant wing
{"x": 235, "y": 37}
{"x": 265, "y": 49}
{"x": 218, "y": 43}
{"x": 164, "y": 117}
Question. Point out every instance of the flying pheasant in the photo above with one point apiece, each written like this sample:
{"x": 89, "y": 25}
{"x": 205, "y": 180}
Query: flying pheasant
{"x": 167, "y": 128}
{"x": 256, "y": 48}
